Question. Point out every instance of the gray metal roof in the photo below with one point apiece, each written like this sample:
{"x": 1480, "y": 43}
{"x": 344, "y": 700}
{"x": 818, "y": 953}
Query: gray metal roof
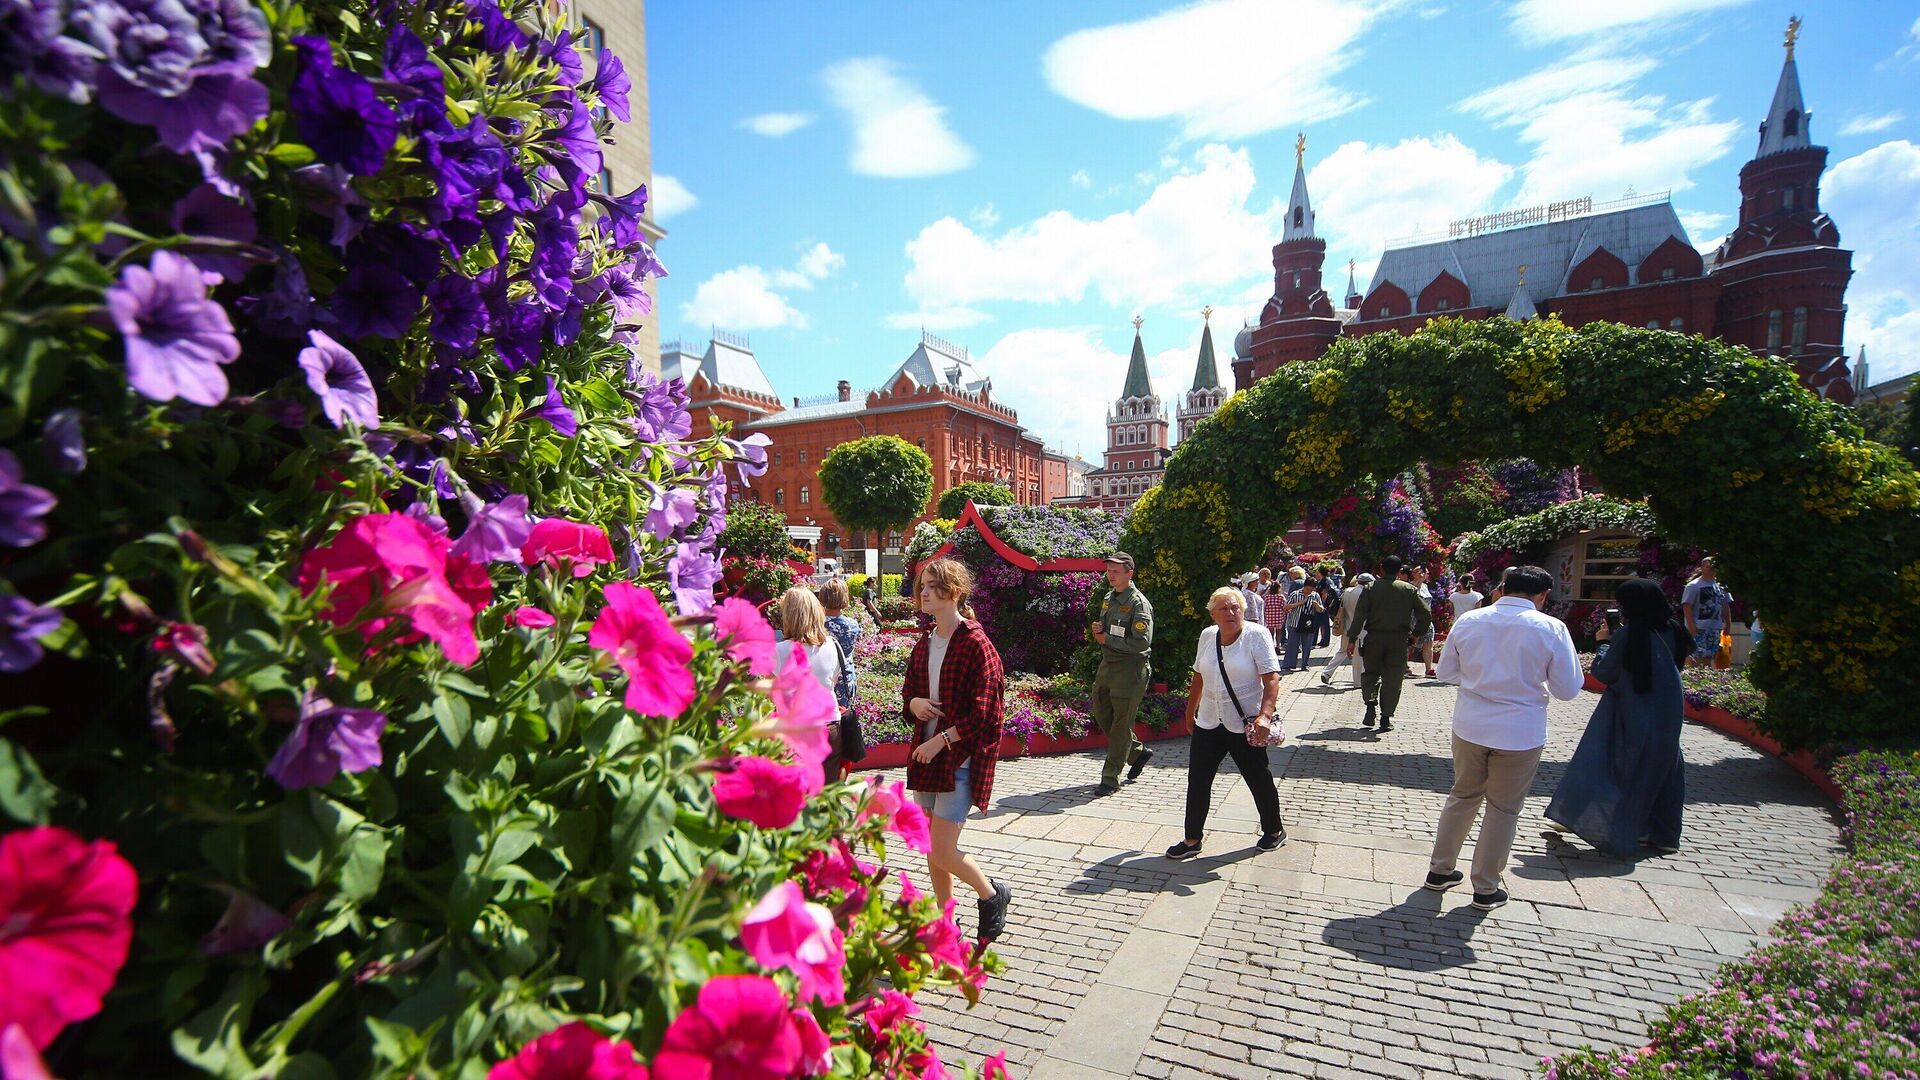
{"x": 1490, "y": 263}
{"x": 812, "y": 412}
{"x": 1520, "y": 307}
{"x": 1774, "y": 136}
{"x": 729, "y": 365}
{"x": 928, "y": 366}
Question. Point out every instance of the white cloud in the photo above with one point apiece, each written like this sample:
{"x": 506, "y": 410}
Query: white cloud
{"x": 986, "y": 217}
{"x": 898, "y": 131}
{"x": 1365, "y": 195}
{"x": 1212, "y": 67}
{"x": 1872, "y": 197}
{"x": 670, "y": 197}
{"x": 1080, "y": 179}
{"x": 1512, "y": 101}
{"x": 1555, "y": 20}
{"x": 937, "y": 319}
{"x": 1706, "y": 228}
{"x": 1193, "y": 236}
{"x": 1061, "y": 379}
{"x": 1867, "y": 125}
{"x": 776, "y": 124}
{"x": 752, "y": 297}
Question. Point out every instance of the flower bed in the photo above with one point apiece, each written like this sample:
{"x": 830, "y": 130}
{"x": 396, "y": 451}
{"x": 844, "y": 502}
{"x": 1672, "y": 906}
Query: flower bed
{"x": 1836, "y": 992}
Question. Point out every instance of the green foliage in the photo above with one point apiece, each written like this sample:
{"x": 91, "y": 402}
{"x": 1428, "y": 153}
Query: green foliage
{"x": 889, "y": 585}
{"x": 1593, "y": 512}
{"x": 755, "y": 530}
{"x": 1466, "y": 500}
{"x": 1884, "y": 421}
{"x": 955, "y": 499}
{"x": 876, "y": 483}
{"x": 1728, "y": 451}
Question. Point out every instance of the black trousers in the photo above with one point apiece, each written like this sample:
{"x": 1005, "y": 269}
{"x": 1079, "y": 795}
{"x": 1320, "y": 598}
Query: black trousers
{"x": 1208, "y": 747}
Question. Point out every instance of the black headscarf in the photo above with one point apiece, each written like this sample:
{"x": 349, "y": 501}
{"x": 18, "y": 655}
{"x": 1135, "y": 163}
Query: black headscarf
{"x": 1646, "y": 613}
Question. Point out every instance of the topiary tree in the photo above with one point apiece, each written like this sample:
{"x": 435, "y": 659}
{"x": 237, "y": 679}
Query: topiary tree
{"x": 877, "y": 483}
{"x": 979, "y": 492}
{"x": 755, "y": 530}
{"x": 1728, "y": 451}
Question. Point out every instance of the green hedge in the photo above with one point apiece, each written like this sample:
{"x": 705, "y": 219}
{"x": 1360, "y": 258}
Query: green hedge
{"x": 889, "y": 585}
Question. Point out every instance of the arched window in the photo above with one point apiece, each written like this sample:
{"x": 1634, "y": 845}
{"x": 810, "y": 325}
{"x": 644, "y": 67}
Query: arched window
{"x": 1799, "y": 328}
{"x": 1677, "y": 325}
{"x": 779, "y": 496}
{"x": 1666, "y": 273}
{"x": 1793, "y": 122}
{"x": 1773, "y": 329}
{"x": 1442, "y": 304}
{"x": 804, "y": 500}
{"x": 1598, "y": 282}
{"x": 1789, "y": 198}
{"x": 1296, "y": 279}
{"x": 1299, "y": 217}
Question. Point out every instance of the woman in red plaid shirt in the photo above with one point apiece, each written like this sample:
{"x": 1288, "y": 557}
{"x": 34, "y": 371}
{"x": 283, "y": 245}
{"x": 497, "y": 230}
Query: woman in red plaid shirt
{"x": 954, "y": 694}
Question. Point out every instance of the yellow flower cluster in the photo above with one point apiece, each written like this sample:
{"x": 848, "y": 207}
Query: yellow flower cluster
{"x": 1409, "y": 410}
{"x": 1535, "y": 379}
{"x": 1743, "y": 477}
{"x": 1324, "y": 386}
{"x": 1311, "y": 450}
{"x": 1210, "y": 498}
{"x": 1669, "y": 418}
{"x": 1850, "y": 482}
{"x": 1838, "y": 656}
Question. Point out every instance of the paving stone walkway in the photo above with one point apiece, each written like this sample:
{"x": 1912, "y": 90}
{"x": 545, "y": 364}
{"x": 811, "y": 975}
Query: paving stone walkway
{"x": 1325, "y": 958}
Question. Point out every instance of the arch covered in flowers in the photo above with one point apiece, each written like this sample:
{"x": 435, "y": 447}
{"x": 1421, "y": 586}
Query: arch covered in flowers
{"x": 1725, "y": 448}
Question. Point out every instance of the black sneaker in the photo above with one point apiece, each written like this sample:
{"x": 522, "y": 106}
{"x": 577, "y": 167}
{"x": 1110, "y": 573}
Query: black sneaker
{"x": 1367, "y": 720}
{"x": 993, "y": 912}
{"x": 1183, "y": 850}
{"x": 1386, "y": 724}
{"x": 1139, "y": 763}
{"x": 1272, "y": 840}
{"x": 1439, "y": 882}
{"x": 1106, "y": 789}
{"x": 1487, "y": 901}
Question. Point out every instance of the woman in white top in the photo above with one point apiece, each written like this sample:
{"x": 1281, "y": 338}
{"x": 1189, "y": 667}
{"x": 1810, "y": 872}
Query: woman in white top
{"x": 802, "y": 619}
{"x": 1236, "y": 680}
{"x": 1467, "y": 597}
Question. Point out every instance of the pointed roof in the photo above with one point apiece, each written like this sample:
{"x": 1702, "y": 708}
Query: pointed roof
{"x": 1137, "y": 383}
{"x": 1521, "y": 308}
{"x": 1298, "y": 203}
{"x": 1206, "y": 373}
{"x": 1787, "y": 121}
{"x": 1353, "y": 290}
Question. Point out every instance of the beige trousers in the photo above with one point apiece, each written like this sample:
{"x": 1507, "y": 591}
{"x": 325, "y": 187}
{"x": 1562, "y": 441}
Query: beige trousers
{"x": 1499, "y": 778}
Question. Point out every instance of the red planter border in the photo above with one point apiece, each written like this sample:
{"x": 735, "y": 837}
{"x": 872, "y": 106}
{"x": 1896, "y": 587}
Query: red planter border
{"x": 894, "y": 755}
{"x": 1726, "y": 723}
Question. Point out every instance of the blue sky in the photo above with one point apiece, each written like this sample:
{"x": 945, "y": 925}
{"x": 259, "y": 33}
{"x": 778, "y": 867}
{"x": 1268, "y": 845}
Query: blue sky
{"x": 1024, "y": 178}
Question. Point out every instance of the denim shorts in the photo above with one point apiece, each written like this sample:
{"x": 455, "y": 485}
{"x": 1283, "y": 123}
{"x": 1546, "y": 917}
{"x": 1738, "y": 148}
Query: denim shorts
{"x": 950, "y": 805}
{"x": 1706, "y": 643}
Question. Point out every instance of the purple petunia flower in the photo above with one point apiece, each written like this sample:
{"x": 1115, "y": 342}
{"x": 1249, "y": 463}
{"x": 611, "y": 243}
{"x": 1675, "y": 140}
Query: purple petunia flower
{"x": 248, "y": 923}
{"x": 238, "y": 39}
{"x": 623, "y": 214}
{"x": 375, "y": 299}
{"x": 286, "y": 308}
{"x": 31, "y": 45}
{"x": 330, "y": 193}
{"x": 611, "y": 86}
{"x": 150, "y": 45}
{"x": 410, "y": 67}
{"x": 338, "y": 113}
{"x": 560, "y": 49}
{"x": 200, "y": 119}
{"x": 752, "y": 452}
{"x": 66, "y": 445}
{"x": 459, "y": 313}
{"x": 176, "y": 336}
{"x": 554, "y": 411}
{"x": 692, "y": 572}
{"x": 206, "y": 212}
{"x": 671, "y": 511}
{"x": 22, "y": 624}
{"x": 339, "y": 382}
{"x": 327, "y": 741}
{"x": 627, "y": 293}
{"x": 496, "y": 532}
{"x": 662, "y": 413}
{"x": 22, "y": 505}
{"x": 498, "y": 33}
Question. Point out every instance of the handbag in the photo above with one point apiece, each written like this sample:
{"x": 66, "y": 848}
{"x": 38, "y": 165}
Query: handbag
{"x": 1258, "y": 733}
{"x": 1723, "y": 657}
{"x": 850, "y": 743}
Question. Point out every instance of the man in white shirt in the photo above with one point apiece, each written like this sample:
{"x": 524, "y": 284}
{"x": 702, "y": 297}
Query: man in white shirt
{"x": 1506, "y": 659}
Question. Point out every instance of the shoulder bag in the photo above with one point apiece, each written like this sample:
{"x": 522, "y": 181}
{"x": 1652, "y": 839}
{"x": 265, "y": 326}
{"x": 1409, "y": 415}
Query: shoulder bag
{"x": 1258, "y": 733}
{"x": 850, "y": 742}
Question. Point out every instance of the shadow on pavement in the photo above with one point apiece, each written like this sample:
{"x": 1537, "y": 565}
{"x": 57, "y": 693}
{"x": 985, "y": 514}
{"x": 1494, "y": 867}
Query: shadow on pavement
{"x": 1412, "y": 935}
{"x": 1142, "y": 872}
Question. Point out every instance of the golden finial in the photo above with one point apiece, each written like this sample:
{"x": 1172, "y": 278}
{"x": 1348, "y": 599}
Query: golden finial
{"x": 1206, "y": 314}
{"x": 1793, "y": 34}
{"x": 1349, "y": 267}
{"x": 1300, "y": 141}
{"x": 1523, "y": 275}
{"x": 1137, "y": 320}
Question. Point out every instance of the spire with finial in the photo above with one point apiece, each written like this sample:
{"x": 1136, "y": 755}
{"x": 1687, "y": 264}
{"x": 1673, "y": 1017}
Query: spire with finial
{"x": 1521, "y": 306}
{"x": 1353, "y": 288}
{"x": 1787, "y": 122}
{"x": 1206, "y": 373}
{"x": 1299, "y": 223}
{"x": 1138, "y": 386}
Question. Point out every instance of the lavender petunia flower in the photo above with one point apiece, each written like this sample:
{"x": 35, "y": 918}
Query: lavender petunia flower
{"x": 150, "y": 45}
{"x": 206, "y": 212}
{"x": 330, "y": 193}
{"x": 421, "y": 512}
{"x": 671, "y": 511}
{"x": 176, "y": 336}
{"x": 375, "y": 299}
{"x": 554, "y": 411}
{"x": 22, "y": 506}
{"x": 238, "y": 39}
{"x": 327, "y": 741}
{"x": 22, "y": 624}
{"x": 338, "y": 113}
{"x": 611, "y": 86}
{"x": 200, "y": 120}
{"x": 31, "y": 45}
{"x": 248, "y": 923}
{"x": 66, "y": 445}
{"x": 339, "y": 382}
{"x": 497, "y": 532}
{"x": 662, "y": 415}
{"x": 626, "y": 293}
{"x": 753, "y": 455}
{"x": 692, "y": 572}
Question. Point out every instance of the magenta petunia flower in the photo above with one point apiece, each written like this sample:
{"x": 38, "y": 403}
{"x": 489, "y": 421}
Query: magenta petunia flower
{"x": 803, "y": 711}
{"x": 943, "y": 941}
{"x": 571, "y": 1052}
{"x": 18, "y": 1059}
{"x": 177, "y": 337}
{"x": 783, "y": 930}
{"x": 406, "y": 564}
{"x": 22, "y": 505}
{"x": 531, "y": 618}
{"x": 65, "y": 925}
{"x": 886, "y": 1011}
{"x": 762, "y": 791}
{"x": 557, "y": 540}
{"x": 338, "y": 380}
{"x": 634, "y": 628}
{"x": 327, "y": 741}
{"x": 740, "y": 1027}
{"x": 744, "y": 631}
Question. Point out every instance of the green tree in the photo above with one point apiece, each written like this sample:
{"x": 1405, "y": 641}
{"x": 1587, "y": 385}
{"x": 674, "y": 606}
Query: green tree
{"x": 1885, "y": 421}
{"x": 755, "y": 529}
{"x": 876, "y": 483}
{"x": 979, "y": 492}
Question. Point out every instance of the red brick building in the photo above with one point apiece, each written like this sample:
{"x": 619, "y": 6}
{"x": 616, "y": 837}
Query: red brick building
{"x": 936, "y": 399}
{"x": 1777, "y": 284}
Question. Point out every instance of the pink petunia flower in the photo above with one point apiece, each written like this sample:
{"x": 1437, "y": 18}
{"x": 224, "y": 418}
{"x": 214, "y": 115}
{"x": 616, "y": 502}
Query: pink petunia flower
{"x": 816, "y": 1050}
{"x": 571, "y": 1052}
{"x": 928, "y": 1062}
{"x": 943, "y": 941}
{"x": 740, "y": 1028}
{"x": 785, "y": 931}
{"x": 886, "y": 1011}
{"x": 634, "y": 628}
{"x": 746, "y": 634}
{"x": 18, "y": 1059}
{"x": 831, "y": 870}
{"x": 404, "y": 564}
{"x": 762, "y": 791}
{"x": 530, "y": 617}
{"x": 904, "y": 816}
{"x": 995, "y": 1068}
{"x": 557, "y": 540}
{"x": 803, "y": 711}
{"x": 908, "y": 894}
{"x": 65, "y": 925}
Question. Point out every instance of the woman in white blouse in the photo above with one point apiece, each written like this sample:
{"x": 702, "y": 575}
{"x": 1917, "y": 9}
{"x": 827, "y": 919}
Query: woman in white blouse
{"x": 1236, "y": 680}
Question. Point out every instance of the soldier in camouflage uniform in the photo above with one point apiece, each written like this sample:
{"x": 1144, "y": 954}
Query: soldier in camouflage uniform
{"x": 1125, "y": 633}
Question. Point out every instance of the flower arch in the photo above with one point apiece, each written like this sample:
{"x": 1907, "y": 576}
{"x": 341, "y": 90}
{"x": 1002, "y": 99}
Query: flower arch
{"x": 1726, "y": 449}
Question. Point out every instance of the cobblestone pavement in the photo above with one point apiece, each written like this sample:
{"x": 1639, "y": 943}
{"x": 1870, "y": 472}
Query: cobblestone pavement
{"x": 1325, "y": 958}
